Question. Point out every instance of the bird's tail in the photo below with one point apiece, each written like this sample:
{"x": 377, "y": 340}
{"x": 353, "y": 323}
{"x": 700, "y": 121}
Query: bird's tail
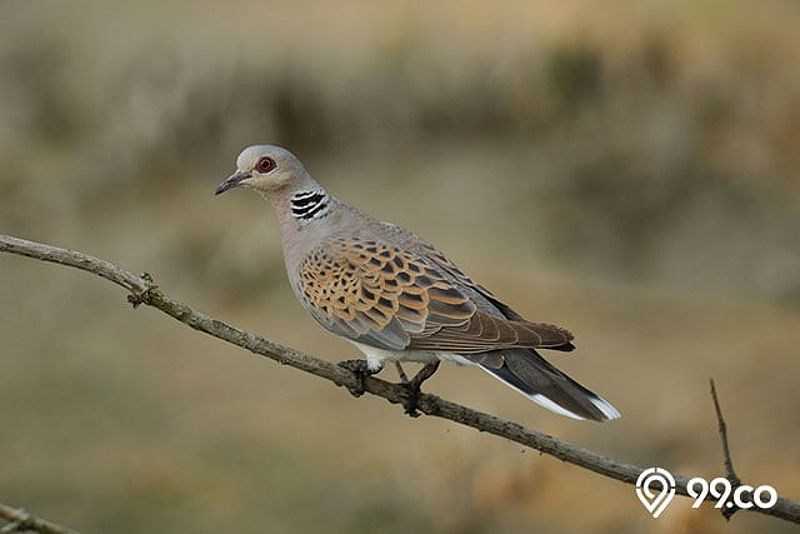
{"x": 530, "y": 374}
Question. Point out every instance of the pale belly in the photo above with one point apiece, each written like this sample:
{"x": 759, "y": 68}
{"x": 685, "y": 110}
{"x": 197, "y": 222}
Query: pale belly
{"x": 377, "y": 357}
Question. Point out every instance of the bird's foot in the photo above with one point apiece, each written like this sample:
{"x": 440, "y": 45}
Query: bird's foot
{"x": 411, "y": 403}
{"x": 361, "y": 370}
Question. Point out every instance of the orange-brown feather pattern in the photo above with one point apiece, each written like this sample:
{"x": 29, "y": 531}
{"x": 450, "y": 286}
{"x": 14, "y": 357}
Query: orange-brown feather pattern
{"x": 373, "y": 283}
{"x": 363, "y": 287}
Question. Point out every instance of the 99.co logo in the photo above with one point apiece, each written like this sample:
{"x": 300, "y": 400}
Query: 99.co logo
{"x": 743, "y": 496}
{"x": 655, "y": 487}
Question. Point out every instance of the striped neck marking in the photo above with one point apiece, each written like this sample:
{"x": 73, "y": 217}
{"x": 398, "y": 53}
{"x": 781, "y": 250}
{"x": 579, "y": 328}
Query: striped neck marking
{"x": 308, "y": 205}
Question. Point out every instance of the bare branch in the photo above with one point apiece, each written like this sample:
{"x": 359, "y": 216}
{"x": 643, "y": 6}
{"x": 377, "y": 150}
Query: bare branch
{"x": 21, "y": 521}
{"x": 143, "y": 291}
{"x": 730, "y": 474}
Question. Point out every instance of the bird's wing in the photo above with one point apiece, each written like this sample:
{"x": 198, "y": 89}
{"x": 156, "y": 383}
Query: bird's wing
{"x": 442, "y": 262}
{"x": 392, "y": 298}
{"x": 448, "y": 266}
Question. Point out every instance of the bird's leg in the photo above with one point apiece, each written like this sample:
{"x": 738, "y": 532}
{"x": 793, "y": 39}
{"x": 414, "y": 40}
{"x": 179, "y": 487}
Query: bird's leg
{"x": 403, "y": 377}
{"x": 413, "y": 387}
{"x": 361, "y": 369}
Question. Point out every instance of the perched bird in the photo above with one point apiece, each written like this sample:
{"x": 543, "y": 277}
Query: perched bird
{"x": 397, "y": 298}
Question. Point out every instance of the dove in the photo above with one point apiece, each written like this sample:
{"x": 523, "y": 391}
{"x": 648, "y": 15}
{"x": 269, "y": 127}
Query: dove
{"x": 397, "y": 298}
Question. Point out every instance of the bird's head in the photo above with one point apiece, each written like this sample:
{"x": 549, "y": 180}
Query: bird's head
{"x": 265, "y": 168}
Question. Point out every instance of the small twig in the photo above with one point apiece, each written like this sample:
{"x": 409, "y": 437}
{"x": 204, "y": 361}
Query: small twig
{"x": 723, "y": 436}
{"x": 730, "y": 473}
{"x": 147, "y": 293}
{"x": 22, "y": 521}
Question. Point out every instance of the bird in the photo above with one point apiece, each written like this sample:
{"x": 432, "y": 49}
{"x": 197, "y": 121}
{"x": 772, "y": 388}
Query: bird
{"x": 397, "y": 298}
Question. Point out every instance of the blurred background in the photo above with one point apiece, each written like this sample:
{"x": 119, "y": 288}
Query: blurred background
{"x": 626, "y": 169}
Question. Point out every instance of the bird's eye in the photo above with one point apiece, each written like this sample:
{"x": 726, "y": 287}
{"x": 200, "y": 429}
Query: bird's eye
{"x": 265, "y": 165}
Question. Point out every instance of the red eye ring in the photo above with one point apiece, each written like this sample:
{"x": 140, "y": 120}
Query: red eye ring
{"x": 265, "y": 165}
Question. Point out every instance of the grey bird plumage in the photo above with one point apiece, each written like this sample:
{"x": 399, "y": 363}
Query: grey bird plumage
{"x": 396, "y": 297}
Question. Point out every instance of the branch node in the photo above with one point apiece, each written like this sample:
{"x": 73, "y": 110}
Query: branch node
{"x": 137, "y": 298}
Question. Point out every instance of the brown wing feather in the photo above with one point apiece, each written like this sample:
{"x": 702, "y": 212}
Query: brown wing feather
{"x": 553, "y": 337}
{"x": 391, "y": 298}
{"x": 485, "y": 332}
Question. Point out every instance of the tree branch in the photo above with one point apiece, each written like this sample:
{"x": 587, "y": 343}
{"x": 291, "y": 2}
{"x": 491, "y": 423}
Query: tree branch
{"x": 21, "y": 521}
{"x": 142, "y": 290}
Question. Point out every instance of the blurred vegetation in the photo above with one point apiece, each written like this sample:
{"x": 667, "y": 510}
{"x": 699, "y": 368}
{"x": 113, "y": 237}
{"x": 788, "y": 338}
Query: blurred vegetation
{"x": 628, "y": 169}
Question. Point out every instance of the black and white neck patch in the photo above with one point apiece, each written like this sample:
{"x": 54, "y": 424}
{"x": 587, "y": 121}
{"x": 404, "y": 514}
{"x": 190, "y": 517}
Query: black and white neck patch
{"x": 308, "y": 205}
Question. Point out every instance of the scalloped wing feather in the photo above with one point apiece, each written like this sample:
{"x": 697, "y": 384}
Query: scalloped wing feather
{"x": 384, "y": 296}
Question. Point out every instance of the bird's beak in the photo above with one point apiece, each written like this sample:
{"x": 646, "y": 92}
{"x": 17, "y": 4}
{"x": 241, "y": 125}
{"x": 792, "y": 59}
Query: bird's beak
{"x": 234, "y": 180}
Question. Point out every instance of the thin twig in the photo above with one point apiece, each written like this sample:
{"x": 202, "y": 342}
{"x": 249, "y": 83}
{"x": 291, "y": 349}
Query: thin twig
{"x": 21, "y": 521}
{"x": 723, "y": 437}
{"x": 143, "y": 291}
{"x": 730, "y": 474}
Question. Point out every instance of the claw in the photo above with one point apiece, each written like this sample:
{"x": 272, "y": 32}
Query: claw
{"x": 411, "y": 403}
{"x": 361, "y": 370}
